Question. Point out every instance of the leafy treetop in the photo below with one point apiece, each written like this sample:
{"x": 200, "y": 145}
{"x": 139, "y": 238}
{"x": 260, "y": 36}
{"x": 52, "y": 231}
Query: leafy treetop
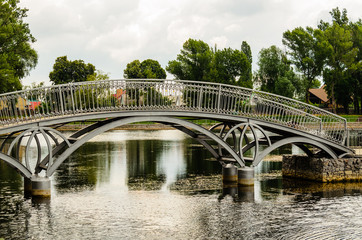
{"x": 146, "y": 69}
{"x": 65, "y": 71}
{"x": 17, "y": 57}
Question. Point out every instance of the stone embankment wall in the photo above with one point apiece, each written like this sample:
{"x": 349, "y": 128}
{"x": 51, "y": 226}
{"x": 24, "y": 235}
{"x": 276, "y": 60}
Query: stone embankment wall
{"x": 322, "y": 169}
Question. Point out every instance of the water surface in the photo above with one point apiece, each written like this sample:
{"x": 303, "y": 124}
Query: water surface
{"x": 163, "y": 185}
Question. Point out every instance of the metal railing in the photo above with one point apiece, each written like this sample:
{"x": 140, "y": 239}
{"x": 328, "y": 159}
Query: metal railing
{"x": 168, "y": 95}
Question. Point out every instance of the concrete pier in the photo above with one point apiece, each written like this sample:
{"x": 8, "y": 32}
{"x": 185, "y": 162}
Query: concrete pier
{"x": 37, "y": 187}
{"x": 229, "y": 173}
{"x": 322, "y": 169}
{"x": 246, "y": 176}
{"x": 242, "y": 176}
{"x": 246, "y": 193}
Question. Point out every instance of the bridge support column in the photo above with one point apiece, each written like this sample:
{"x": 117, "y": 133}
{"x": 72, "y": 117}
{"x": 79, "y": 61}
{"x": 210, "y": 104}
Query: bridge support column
{"x": 37, "y": 187}
{"x": 27, "y": 187}
{"x": 229, "y": 174}
{"x": 246, "y": 193}
{"x": 246, "y": 176}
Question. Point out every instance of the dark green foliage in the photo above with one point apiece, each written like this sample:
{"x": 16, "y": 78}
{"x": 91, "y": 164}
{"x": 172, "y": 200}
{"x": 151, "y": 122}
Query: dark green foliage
{"x": 149, "y": 68}
{"x": 275, "y": 74}
{"x": 17, "y": 57}
{"x": 230, "y": 67}
{"x": 342, "y": 66}
{"x": 333, "y": 51}
{"x": 198, "y": 62}
{"x": 306, "y": 54}
{"x": 248, "y": 73}
{"x": 65, "y": 71}
{"x": 193, "y": 63}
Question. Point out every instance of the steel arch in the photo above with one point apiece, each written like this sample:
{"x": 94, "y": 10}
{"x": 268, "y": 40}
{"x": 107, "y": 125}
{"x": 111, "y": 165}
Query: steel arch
{"x": 118, "y": 122}
{"x": 291, "y": 140}
{"x": 13, "y": 162}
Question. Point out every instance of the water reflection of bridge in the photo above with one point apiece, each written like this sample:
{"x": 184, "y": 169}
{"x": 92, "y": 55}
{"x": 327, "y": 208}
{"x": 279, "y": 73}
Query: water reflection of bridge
{"x": 248, "y": 124}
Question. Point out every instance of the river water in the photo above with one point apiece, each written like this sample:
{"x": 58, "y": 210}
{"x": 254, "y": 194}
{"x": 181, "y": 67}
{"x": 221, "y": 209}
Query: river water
{"x": 163, "y": 185}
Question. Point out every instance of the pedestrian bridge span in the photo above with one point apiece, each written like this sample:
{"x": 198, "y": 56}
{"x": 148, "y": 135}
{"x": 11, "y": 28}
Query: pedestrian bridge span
{"x": 247, "y": 124}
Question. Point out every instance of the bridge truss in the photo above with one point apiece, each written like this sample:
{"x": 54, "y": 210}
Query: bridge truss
{"x": 249, "y": 124}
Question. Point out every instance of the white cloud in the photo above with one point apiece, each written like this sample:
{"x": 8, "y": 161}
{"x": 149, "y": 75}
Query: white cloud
{"x": 111, "y": 33}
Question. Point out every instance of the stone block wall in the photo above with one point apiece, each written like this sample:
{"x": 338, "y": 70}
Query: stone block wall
{"x": 322, "y": 169}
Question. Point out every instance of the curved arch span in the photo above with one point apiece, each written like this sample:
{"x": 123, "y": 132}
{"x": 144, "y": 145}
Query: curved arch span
{"x": 119, "y": 122}
{"x": 291, "y": 140}
{"x": 16, "y": 164}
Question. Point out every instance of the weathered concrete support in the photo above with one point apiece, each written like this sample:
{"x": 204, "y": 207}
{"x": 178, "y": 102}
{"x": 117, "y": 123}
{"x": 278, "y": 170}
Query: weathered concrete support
{"x": 322, "y": 169}
{"x": 230, "y": 173}
{"x": 246, "y": 193}
{"x": 246, "y": 176}
{"x": 40, "y": 186}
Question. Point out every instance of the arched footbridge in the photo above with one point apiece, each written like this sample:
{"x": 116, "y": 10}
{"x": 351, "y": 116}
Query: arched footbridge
{"x": 248, "y": 125}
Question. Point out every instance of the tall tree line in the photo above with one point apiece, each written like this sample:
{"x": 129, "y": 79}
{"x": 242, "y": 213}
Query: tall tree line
{"x": 330, "y": 52}
{"x": 333, "y": 52}
{"x": 199, "y": 62}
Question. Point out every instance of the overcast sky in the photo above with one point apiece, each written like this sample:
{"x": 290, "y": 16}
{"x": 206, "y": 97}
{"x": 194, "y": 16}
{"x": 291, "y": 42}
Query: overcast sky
{"x": 111, "y": 33}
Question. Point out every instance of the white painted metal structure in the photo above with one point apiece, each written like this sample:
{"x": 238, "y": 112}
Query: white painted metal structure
{"x": 245, "y": 119}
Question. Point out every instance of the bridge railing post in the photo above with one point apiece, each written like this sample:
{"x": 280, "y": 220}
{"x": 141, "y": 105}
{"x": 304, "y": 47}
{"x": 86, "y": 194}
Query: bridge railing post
{"x": 61, "y": 100}
{"x": 200, "y": 98}
{"x": 72, "y": 97}
{"x": 219, "y": 100}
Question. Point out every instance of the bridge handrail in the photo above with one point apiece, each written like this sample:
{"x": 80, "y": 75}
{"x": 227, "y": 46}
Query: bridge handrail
{"x": 168, "y": 95}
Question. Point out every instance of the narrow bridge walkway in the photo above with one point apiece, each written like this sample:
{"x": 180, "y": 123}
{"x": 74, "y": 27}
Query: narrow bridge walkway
{"x": 249, "y": 124}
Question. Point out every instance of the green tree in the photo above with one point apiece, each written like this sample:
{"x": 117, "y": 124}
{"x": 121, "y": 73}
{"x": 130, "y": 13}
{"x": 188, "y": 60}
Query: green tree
{"x": 245, "y": 48}
{"x": 284, "y": 87}
{"x": 198, "y": 62}
{"x": 65, "y": 71}
{"x": 356, "y": 75}
{"x": 152, "y": 69}
{"x": 133, "y": 70}
{"x": 34, "y": 85}
{"x": 230, "y": 66}
{"x": 341, "y": 59}
{"x": 307, "y": 54}
{"x": 146, "y": 69}
{"x": 98, "y": 75}
{"x": 275, "y": 75}
{"x": 17, "y": 57}
{"x": 248, "y": 73}
{"x": 193, "y": 63}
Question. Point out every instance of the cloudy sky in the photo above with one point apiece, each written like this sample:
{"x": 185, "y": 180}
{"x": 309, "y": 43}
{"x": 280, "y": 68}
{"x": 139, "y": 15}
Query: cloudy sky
{"x": 111, "y": 33}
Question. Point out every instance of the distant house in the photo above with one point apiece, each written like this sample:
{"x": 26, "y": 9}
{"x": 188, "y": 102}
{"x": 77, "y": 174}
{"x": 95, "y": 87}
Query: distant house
{"x": 21, "y": 104}
{"x": 319, "y": 95}
{"x": 120, "y": 96}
